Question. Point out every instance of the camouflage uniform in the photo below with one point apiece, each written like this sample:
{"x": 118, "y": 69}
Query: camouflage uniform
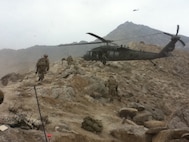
{"x": 112, "y": 87}
{"x": 104, "y": 59}
{"x": 69, "y": 60}
{"x": 42, "y": 67}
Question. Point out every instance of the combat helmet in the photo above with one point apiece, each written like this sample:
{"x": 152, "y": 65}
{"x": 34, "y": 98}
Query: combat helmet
{"x": 45, "y": 55}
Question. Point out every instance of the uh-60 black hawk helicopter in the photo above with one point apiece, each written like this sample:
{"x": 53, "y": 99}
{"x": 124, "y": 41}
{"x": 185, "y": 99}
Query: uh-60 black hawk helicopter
{"x": 113, "y": 52}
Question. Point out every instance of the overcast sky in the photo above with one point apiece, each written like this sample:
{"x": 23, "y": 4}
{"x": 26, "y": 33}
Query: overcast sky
{"x": 25, "y": 23}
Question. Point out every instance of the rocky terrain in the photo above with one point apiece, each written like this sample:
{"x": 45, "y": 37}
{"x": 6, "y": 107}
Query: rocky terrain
{"x": 153, "y": 107}
{"x": 127, "y": 34}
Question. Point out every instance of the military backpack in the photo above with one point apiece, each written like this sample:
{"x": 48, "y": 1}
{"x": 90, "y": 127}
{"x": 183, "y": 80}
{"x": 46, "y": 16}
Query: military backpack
{"x": 92, "y": 125}
{"x": 42, "y": 62}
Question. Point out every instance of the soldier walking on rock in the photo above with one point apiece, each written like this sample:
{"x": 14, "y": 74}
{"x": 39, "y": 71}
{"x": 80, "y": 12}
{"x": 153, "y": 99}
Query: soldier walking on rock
{"x": 42, "y": 67}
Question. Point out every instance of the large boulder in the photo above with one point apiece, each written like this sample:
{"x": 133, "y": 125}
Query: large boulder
{"x": 127, "y": 112}
{"x": 170, "y": 134}
{"x": 96, "y": 89}
{"x": 64, "y": 93}
{"x": 131, "y": 133}
{"x": 137, "y": 106}
{"x": 154, "y": 124}
{"x": 185, "y": 136}
{"x": 142, "y": 116}
{"x": 19, "y": 135}
{"x": 156, "y": 130}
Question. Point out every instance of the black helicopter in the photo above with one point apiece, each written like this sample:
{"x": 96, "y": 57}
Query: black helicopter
{"x": 118, "y": 53}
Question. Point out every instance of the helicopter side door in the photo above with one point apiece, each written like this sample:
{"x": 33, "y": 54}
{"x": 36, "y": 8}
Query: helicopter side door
{"x": 113, "y": 54}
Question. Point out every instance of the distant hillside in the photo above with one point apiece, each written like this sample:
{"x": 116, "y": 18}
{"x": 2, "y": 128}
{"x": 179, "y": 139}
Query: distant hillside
{"x": 130, "y": 32}
{"x": 25, "y": 59}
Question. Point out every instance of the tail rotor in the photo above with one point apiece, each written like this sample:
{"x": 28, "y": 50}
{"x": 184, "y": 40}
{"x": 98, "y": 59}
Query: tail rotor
{"x": 176, "y": 36}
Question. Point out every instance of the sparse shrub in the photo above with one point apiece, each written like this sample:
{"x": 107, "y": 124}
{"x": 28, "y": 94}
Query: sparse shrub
{"x": 1, "y": 97}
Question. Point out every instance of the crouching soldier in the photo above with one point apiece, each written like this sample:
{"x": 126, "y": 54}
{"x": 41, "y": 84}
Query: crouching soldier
{"x": 112, "y": 85}
{"x": 42, "y": 67}
{"x": 69, "y": 60}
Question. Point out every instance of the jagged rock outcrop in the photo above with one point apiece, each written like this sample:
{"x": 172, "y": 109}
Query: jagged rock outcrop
{"x": 17, "y": 135}
{"x": 130, "y": 133}
{"x": 11, "y": 77}
{"x": 155, "y": 93}
{"x": 170, "y": 134}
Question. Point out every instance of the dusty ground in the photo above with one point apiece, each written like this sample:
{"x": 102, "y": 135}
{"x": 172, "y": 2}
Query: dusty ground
{"x": 66, "y": 101}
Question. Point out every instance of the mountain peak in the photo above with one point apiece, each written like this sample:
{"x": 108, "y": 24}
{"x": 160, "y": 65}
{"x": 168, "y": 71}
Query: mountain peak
{"x": 129, "y": 32}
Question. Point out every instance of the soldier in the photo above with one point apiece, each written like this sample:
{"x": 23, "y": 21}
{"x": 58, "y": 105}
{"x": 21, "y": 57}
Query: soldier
{"x": 42, "y": 67}
{"x": 104, "y": 58}
{"x": 94, "y": 55}
{"x": 63, "y": 59}
{"x": 69, "y": 60}
{"x": 112, "y": 87}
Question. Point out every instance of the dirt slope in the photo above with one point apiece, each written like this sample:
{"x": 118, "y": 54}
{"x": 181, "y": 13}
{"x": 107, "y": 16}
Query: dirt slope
{"x": 67, "y": 95}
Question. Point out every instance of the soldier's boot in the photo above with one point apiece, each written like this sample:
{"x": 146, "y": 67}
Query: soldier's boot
{"x": 41, "y": 77}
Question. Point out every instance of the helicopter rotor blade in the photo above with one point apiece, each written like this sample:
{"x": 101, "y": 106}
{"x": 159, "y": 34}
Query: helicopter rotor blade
{"x": 168, "y": 34}
{"x": 177, "y": 30}
{"x": 80, "y": 43}
{"x": 182, "y": 42}
{"x": 171, "y": 34}
{"x": 100, "y": 38}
